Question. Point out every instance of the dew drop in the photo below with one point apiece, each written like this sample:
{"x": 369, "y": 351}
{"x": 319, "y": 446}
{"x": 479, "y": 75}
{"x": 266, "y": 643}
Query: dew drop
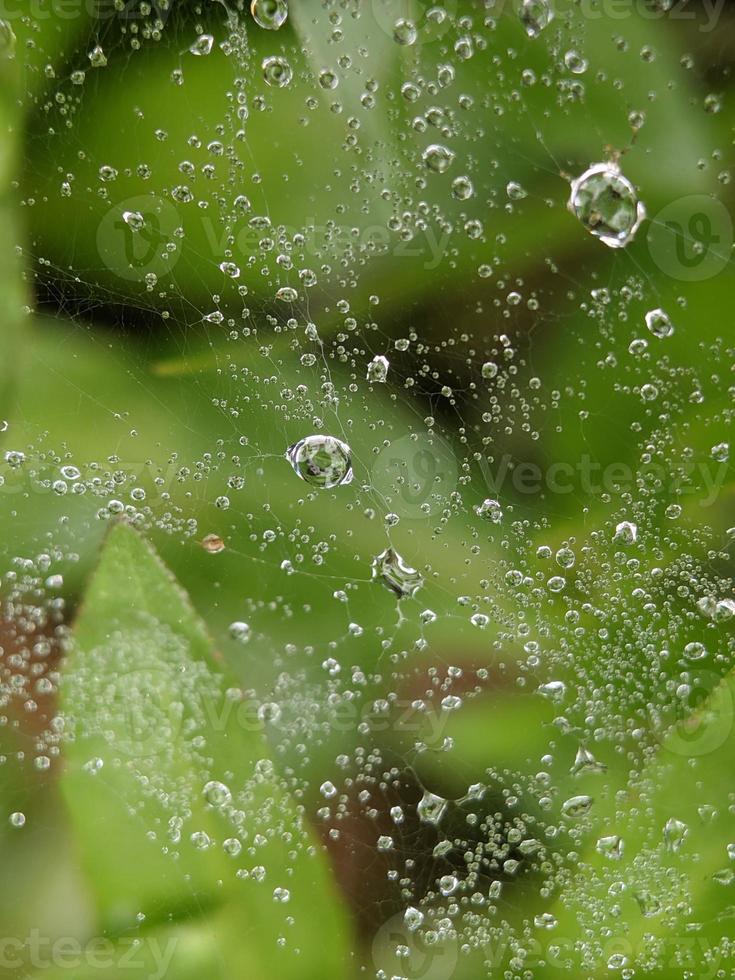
{"x": 390, "y": 568}
{"x": 269, "y": 14}
{"x": 277, "y": 71}
{"x": 607, "y": 205}
{"x": 203, "y": 45}
{"x": 321, "y": 461}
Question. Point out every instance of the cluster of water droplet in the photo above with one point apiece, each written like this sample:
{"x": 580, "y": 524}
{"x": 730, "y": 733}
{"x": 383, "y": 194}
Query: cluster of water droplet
{"x": 434, "y": 557}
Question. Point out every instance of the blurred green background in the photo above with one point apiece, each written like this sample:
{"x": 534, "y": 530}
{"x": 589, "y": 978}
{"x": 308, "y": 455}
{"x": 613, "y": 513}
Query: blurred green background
{"x": 166, "y": 375}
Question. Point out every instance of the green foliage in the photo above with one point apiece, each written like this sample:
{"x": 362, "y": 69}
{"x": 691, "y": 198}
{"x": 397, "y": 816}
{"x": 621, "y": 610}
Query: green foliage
{"x": 151, "y": 726}
{"x": 143, "y": 676}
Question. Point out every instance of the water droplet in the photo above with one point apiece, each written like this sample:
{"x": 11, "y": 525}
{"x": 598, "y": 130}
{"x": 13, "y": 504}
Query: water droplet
{"x": 203, "y": 45}
{"x": 413, "y": 918}
{"x": 269, "y": 14}
{"x": 617, "y": 961}
{"x": 721, "y": 452}
{"x": 611, "y": 847}
{"x": 535, "y": 15}
{"x": 585, "y": 762}
{"x": 230, "y": 269}
{"x": 217, "y": 794}
{"x": 675, "y": 833}
{"x": 695, "y": 651}
{"x": 213, "y": 544}
{"x": 725, "y": 877}
{"x": 321, "y": 461}
{"x": 377, "y": 371}
{"x": 328, "y": 79}
{"x": 659, "y": 323}
{"x": 431, "y": 808}
{"x": 553, "y": 690}
{"x": 277, "y": 71}
{"x": 240, "y": 631}
{"x": 134, "y": 220}
{"x": 576, "y": 64}
{"x": 97, "y": 57}
{"x": 448, "y": 884}
{"x": 565, "y": 557}
{"x": 576, "y": 806}
{"x": 490, "y": 510}
{"x": 398, "y": 576}
{"x": 626, "y": 532}
{"x": 404, "y": 32}
{"x": 607, "y": 205}
{"x": 438, "y": 158}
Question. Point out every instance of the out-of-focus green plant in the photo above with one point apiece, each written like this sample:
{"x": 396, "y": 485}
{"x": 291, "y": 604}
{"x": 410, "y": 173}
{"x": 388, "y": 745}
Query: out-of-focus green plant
{"x": 152, "y": 396}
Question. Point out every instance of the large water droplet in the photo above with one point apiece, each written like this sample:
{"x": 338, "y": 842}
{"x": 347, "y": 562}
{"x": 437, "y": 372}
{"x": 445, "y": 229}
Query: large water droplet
{"x": 217, "y": 793}
{"x": 431, "y": 808}
{"x": 396, "y": 574}
{"x": 535, "y": 15}
{"x": 438, "y": 158}
{"x": 203, "y": 45}
{"x": 576, "y": 806}
{"x": 607, "y": 204}
{"x": 322, "y": 461}
{"x": 659, "y": 323}
{"x": 277, "y": 71}
{"x": 377, "y": 370}
{"x": 269, "y": 14}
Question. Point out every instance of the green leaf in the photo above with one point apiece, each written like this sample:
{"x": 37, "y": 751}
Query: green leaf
{"x": 675, "y": 903}
{"x": 149, "y": 722}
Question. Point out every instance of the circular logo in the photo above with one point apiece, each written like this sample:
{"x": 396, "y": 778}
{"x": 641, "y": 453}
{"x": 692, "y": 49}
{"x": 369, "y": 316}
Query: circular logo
{"x": 420, "y": 955}
{"x": 691, "y": 238}
{"x": 414, "y": 22}
{"x": 704, "y": 729}
{"x": 415, "y": 475}
{"x": 136, "y": 238}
